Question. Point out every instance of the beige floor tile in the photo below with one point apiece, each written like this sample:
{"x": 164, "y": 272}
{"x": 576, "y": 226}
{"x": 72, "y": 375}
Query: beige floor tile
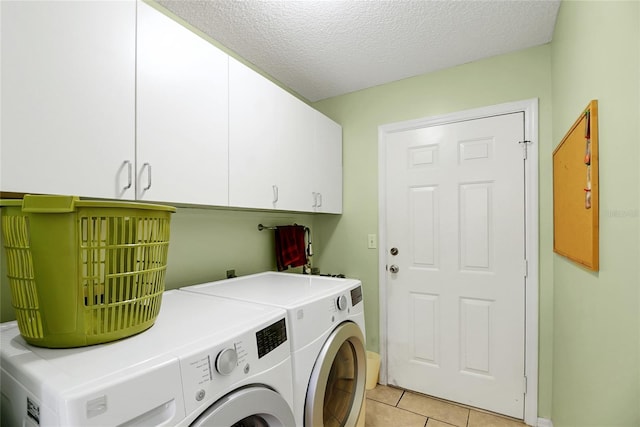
{"x": 382, "y": 415}
{"x": 435, "y": 423}
{"x": 482, "y": 419}
{"x": 433, "y": 408}
{"x": 382, "y": 393}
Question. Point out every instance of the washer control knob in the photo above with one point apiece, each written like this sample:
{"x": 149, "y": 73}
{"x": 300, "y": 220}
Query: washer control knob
{"x": 226, "y": 361}
{"x": 342, "y": 302}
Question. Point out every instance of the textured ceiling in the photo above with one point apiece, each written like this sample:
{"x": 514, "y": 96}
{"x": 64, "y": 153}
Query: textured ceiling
{"x": 326, "y": 48}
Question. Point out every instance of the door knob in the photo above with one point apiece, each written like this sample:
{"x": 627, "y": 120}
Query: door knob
{"x": 394, "y": 268}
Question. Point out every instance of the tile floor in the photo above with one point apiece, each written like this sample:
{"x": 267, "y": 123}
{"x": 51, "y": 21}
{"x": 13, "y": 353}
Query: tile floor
{"x": 394, "y": 407}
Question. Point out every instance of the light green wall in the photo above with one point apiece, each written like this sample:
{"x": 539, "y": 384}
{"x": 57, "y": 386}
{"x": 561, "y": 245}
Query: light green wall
{"x": 596, "y": 363}
{"x": 513, "y": 77}
{"x": 204, "y": 244}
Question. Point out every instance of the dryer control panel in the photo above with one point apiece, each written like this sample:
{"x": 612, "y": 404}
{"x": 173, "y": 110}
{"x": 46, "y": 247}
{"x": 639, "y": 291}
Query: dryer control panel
{"x": 271, "y": 337}
{"x": 356, "y": 295}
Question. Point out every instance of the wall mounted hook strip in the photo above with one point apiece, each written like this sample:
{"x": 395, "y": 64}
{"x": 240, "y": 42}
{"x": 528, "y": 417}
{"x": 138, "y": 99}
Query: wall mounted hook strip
{"x": 262, "y": 227}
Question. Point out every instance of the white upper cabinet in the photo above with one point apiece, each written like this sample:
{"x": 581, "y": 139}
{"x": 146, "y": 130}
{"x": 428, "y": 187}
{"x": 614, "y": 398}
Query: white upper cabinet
{"x": 115, "y": 100}
{"x": 327, "y": 163}
{"x": 252, "y": 137}
{"x": 68, "y": 106}
{"x": 270, "y": 135}
{"x": 182, "y": 107}
{"x": 283, "y": 154}
{"x": 293, "y": 154}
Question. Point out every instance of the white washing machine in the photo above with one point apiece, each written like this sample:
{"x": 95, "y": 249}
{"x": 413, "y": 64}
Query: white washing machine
{"x": 326, "y": 321}
{"x": 207, "y": 361}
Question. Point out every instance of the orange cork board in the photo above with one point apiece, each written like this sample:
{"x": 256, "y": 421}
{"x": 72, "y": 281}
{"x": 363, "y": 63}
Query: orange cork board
{"x": 575, "y": 191}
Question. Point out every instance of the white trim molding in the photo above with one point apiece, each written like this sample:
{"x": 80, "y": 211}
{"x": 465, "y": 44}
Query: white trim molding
{"x": 544, "y": 422}
{"x": 530, "y": 110}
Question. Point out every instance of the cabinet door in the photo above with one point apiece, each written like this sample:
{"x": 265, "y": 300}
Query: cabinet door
{"x": 328, "y": 165}
{"x": 68, "y": 106}
{"x": 253, "y": 128}
{"x": 294, "y": 160}
{"x": 270, "y": 144}
{"x": 182, "y": 114}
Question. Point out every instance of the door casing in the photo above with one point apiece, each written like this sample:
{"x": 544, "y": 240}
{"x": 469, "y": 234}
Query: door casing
{"x": 530, "y": 109}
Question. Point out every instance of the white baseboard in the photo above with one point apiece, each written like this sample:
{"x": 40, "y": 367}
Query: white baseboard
{"x": 544, "y": 422}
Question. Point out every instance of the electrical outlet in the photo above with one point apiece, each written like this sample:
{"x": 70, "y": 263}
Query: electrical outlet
{"x": 372, "y": 241}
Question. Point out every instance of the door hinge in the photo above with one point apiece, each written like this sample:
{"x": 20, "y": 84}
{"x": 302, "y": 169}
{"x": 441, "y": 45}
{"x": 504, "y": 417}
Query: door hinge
{"x": 524, "y": 385}
{"x": 524, "y": 145}
{"x": 526, "y": 268}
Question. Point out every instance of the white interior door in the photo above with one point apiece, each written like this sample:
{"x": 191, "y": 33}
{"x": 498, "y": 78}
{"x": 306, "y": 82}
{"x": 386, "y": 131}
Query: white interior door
{"x": 455, "y": 211}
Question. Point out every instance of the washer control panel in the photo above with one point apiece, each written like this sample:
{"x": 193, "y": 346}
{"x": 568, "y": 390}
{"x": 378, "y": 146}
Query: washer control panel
{"x": 209, "y": 374}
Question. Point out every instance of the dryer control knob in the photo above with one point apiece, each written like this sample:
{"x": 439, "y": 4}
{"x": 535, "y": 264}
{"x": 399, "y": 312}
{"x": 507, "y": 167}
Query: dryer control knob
{"x": 342, "y": 303}
{"x": 226, "y": 361}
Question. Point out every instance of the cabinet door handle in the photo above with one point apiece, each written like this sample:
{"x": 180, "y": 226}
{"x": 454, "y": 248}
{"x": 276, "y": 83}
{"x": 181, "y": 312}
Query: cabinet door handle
{"x": 129, "y": 175}
{"x": 315, "y": 199}
{"x": 275, "y": 193}
{"x": 148, "y": 166}
{"x": 320, "y": 198}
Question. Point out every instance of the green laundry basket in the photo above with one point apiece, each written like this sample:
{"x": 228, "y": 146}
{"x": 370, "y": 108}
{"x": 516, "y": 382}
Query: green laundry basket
{"x": 84, "y": 272}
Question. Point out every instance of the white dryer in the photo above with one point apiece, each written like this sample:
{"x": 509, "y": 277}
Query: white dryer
{"x": 326, "y": 321}
{"x": 207, "y": 361}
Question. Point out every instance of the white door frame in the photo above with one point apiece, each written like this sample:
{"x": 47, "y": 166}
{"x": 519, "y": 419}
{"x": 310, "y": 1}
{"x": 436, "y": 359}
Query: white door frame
{"x": 530, "y": 109}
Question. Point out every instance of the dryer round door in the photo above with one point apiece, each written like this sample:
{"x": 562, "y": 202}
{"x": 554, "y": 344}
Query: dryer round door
{"x": 253, "y": 406}
{"x": 336, "y": 387}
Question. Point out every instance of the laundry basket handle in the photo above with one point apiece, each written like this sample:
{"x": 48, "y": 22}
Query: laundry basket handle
{"x": 49, "y": 204}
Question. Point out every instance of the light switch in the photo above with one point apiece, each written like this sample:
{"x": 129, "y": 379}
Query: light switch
{"x": 372, "y": 241}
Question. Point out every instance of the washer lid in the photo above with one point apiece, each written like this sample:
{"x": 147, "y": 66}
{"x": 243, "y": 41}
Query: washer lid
{"x": 286, "y": 290}
{"x": 184, "y": 320}
{"x": 337, "y": 383}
